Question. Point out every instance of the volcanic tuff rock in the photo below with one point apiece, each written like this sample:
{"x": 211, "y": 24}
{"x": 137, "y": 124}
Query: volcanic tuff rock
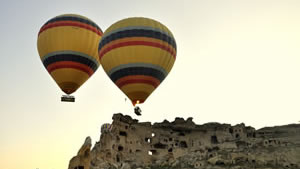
{"x": 182, "y": 144}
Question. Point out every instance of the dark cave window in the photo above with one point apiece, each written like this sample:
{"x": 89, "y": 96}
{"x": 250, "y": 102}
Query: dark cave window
{"x": 148, "y": 140}
{"x": 183, "y": 144}
{"x": 123, "y": 133}
{"x": 230, "y": 130}
{"x": 170, "y": 150}
{"x": 214, "y": 140}
{"x": 108, "y": 155}
{"x": 86, "y": 153}
{"x": 170, "y": 139}
{"x": 152, "y": 152}
{"x": 120, "y": 148}
{"x": 237, "y": 136}
{"x": 160, "y": 145}
{"x": 220, "y": 163}
{"x": 80, "y": 167}
{"x": 118, "y": 158}
{"x": 181, "y": 134}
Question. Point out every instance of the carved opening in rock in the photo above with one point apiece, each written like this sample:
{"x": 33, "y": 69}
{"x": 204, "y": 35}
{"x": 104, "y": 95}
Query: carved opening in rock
{"x": 214, "y": 140}
{"x": 160, "y": 145}
{"x": 183, "y": 144}
{"x": 123, "y": 133}
{"x": 153, "y": 134}
{"x": 86, "y": 153}
{"x": 130, "y": 151}
{"x": 148, "y": 140}
{"x": 216, "y": 148}
{"x": 79, "y": 167}
{"x": 237, "y": 136}
{"x": 120, "y": 148}
{"x": 118, "y": 138}
{"x": 170, "y": 139}
{"x": 181, "y": 134}
{"x": 253, "y": 161}
{"x": 153, "y": 152}
{"x": 170, "y": 150}
{"x": 108, "y": 155}
{"x": 137, "y": 151}
{"x": 126, "y": 127}
{"x": 230, "y": 130}
{"x": 118, "y": 158}
{"x": 220, "y": 163}
{"x": 165, "y": 140}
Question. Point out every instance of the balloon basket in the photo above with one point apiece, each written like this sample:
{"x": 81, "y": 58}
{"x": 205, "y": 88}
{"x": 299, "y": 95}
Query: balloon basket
{"x": 67, "y": 98}
{"x": 137, "y": 110}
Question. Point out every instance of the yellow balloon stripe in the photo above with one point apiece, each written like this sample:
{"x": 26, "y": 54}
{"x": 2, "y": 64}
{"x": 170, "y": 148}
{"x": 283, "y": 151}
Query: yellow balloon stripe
{"x": 69, "y": 74}
{"x": 137, "y": 54}
{"x": 134, "y": 90}
{"x": 68, "y": 38}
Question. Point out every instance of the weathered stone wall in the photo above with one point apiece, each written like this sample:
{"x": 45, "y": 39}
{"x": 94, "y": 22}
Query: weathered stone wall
{"x": 183, "y": 144}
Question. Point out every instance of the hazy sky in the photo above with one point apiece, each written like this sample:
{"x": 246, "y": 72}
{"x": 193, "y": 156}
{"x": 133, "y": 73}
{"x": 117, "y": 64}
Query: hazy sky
{"x": 237, "y": 61}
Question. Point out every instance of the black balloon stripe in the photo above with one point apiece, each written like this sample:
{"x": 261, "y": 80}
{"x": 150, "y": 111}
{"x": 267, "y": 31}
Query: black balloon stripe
{"x": 70, "y": 57}
{"x": 137, "y": 71}
{"x": 137, "y": 33}
{"x": 73, "y": 18}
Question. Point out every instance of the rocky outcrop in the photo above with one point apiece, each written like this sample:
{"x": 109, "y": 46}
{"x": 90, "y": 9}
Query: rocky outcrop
{"x": 130, "y": 144}
{"x": 83, "y": 158}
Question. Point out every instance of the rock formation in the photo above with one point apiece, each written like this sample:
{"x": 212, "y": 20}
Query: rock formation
{"x": 182, "y": 144}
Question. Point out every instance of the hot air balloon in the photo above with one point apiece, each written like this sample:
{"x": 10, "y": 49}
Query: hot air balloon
{"x": 137, "y": 54}
{"x": 68, "y": 45}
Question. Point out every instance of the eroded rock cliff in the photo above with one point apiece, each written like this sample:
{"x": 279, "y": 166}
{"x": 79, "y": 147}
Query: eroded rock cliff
{"x": 128, "y": 144}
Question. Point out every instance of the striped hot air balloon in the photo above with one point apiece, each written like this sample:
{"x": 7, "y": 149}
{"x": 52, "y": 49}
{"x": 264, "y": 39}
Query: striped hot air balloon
{"x": 137, "y": 54}
{"x": 68, "y": 45}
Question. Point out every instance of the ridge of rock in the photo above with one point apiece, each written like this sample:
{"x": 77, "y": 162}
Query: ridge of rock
{"x": 130, "y": 144}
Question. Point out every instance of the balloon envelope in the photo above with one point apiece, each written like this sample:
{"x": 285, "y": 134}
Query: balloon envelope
{"x": 67, "y": 45}
{"x": 137, "y": 54}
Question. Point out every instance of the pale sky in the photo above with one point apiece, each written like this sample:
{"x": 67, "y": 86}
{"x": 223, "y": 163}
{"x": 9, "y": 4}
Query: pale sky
{"x": 237, "y": 61}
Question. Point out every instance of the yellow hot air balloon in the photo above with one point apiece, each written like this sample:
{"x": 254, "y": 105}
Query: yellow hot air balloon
{"x": 137, "y": 54}
{"x": 68, "y": 45}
